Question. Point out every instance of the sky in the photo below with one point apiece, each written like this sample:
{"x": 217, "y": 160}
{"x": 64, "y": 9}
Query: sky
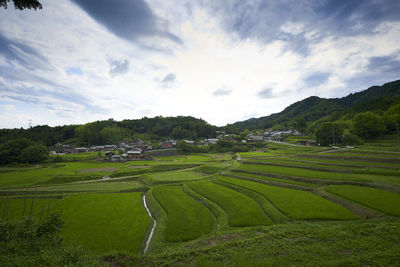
{"x": 223, "y": 61}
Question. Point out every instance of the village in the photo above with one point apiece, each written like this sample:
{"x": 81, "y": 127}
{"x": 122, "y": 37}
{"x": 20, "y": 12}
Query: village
{"x": 140, "y": 150}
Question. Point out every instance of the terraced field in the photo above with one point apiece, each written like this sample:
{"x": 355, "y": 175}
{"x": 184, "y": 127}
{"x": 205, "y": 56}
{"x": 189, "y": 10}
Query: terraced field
{"x": 297, "y": 204}
{"x": 241, "y": 210}
{"x": 202, "y": 201}
{"x": 384, "y": 201}
{"x": 186, "y": 218}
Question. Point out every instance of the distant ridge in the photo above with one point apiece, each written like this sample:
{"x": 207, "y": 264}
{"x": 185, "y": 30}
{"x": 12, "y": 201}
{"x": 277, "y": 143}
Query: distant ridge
{"x": 315, "y": 108}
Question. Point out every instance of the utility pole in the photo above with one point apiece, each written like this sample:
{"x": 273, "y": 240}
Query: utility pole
{"x": 333, "y": 135}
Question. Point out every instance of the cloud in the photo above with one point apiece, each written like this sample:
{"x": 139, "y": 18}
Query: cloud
{"x": 222, "y": 91}
{"x": 18, "y": 53}
{"x": 168, "y": 80}
{"x": 265, "y": 93}
{"x": 316, "y": 78}
{"x": 300, "y": 24}
{"x": 118, "y": 67}
{"x": 128, "y": 19}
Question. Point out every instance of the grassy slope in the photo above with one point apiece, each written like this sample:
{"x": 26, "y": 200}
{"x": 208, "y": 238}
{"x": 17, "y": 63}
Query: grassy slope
{"x": 296, "y": 204}
{"x": 381, "y": 200}
{"x": 187, "y": 218}
{"x": 241, "y": 210}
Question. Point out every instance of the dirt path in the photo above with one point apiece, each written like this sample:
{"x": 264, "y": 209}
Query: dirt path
{"x": 152, "y": 229}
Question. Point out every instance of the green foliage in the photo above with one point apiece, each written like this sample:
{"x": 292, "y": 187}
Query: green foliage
{"x": 34, "y": 154}
{"x": 329, "y": 133}
{"x": 368, "y": 125}
{"x": 22, "y": 151}
{"x": 39, "y": 245}
{"x": 187, "y": 218}
{"x": 111, "y": 131}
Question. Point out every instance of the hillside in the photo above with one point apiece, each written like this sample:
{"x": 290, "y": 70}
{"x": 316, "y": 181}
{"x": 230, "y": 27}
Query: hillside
{"x": 315, "y": 108}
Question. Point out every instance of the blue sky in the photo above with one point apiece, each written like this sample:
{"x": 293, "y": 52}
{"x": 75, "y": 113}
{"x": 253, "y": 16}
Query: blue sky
{"x": 222, "y": 61}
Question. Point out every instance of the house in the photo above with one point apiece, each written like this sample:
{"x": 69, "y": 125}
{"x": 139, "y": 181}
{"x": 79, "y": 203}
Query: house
{"x": 110, "y": 147}
{"x": 109, "y": 154}
{"x": 115, "y": 158}
{"x": 134, "y": 154}
{"x": 212, "y": 140}
{"x": 189, "y": 142}
{"x": 168, "y": 144}
{"x": 81, "y": 149}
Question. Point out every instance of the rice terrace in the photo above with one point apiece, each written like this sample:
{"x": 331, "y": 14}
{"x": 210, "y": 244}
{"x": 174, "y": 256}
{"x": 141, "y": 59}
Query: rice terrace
{"x": 214, "y": 209}
{"x": 199, "y": 133}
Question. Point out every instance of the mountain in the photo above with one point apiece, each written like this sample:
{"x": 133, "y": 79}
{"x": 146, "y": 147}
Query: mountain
{"x": 315, "y": 108}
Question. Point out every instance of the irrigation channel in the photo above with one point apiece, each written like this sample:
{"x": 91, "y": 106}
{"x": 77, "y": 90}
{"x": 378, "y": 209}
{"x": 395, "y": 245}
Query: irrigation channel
{"x": 152, "y": 229}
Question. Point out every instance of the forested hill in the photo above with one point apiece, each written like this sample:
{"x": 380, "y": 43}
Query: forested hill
{"x": 111, "y": 131}
{"x": 314, "y": 108}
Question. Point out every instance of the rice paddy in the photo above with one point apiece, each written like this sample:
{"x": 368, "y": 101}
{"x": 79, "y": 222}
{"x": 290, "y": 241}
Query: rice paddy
{"x": 201, "y": 200}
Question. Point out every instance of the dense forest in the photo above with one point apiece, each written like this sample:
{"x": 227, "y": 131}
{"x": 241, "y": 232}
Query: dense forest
{"x": 111, "y": 131}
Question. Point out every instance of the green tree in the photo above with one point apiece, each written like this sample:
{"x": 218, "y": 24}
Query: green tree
{"x": 301, "y": 124}
{"x": 34, "y": 154}
{"x": 329, "y": 133}
{"x": 368, "y": 125}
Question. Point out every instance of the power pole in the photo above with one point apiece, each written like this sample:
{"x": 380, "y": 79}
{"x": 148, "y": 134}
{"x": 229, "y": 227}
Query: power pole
{"x": 333, "y": 135}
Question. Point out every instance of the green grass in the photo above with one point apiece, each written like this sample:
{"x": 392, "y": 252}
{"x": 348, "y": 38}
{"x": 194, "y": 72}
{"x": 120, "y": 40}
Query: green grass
{"x": 106, "y": 186}
{"x": 154, "y": 168}
{"x": 384, "y": 201}
{"x": 36, "y": 209}
{"x": 104, "y": 222}
{"x": 187, "y": 218}
{"x": 176, "y": 176}
{"x": 291, "y": 162}
{"x": 296, "y": 204}
{"x": 355, "y": 243}
{"x": 313, "y": 174}
{"x": 266, "y": 178}
{"x": 57, "y": 173}
{"x": 241, "y": 209}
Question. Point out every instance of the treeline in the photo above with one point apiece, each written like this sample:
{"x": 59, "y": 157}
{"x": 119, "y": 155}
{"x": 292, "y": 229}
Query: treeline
{"x": 111, "y": 131}
{"x": 352, "y": 129}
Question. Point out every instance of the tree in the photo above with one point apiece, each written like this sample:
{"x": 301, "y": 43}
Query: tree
{"x": 22, "y": 4}
{"x": 34, "y": 154}
{"x": 329, "y": 133}
{"x": 301, "y": 125}
{"x": 368, "y": 125}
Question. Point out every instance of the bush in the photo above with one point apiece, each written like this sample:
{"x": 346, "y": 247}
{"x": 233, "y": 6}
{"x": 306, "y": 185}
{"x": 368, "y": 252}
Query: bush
{"x": 39, "y": 245}
{"x": 350, "y": 139}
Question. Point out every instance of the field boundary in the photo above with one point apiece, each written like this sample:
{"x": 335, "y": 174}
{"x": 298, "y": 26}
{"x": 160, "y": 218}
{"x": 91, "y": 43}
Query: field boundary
{"x": 360, "y": 210}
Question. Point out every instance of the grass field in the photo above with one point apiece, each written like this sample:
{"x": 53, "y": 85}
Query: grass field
{"x": 314, "y": 174}
{"x": 296, "y": 204}
{"x": 241, "y": 210}
{"x": 203, "y": 213}
{"x": 176, "y": 175}
{"x": 381, "y": 200}
{"x": 187, "y": 218}
{"x": 104, "y": 222}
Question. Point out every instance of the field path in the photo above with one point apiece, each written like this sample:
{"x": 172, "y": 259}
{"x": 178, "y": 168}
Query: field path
{"x": 152, "y": 229}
